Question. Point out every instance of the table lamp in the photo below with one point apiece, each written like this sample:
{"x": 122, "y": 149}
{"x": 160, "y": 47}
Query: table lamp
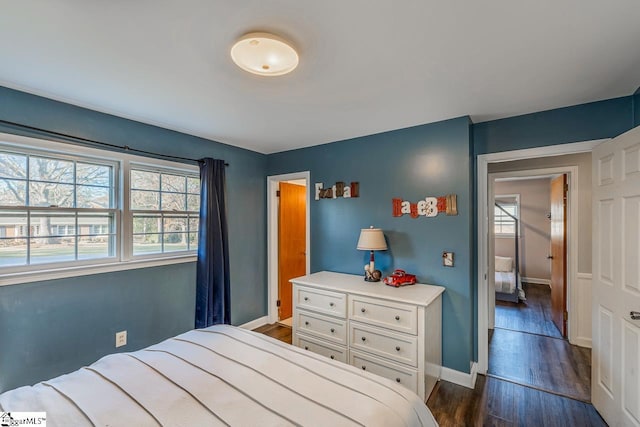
{"x": 371, "y": 239}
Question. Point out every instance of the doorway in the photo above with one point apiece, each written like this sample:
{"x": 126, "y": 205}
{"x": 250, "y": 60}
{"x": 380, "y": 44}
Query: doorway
{"x": 288, "y": 206}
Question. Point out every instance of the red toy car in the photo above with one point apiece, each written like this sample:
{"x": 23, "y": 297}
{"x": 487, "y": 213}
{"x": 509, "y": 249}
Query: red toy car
{"x": 400, "y": 278}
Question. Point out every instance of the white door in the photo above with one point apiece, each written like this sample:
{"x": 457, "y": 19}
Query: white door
{"x": 615, "y": 367}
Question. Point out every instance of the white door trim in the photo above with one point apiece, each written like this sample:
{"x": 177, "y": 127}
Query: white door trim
{"x": 484, "y": 258}
{"x": 272, "y": 236}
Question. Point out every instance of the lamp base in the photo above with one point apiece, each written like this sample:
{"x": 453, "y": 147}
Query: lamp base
{"x": 373, "y": 277}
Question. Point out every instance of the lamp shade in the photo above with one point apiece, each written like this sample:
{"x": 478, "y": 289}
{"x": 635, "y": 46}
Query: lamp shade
{"x": 371, "y": 239}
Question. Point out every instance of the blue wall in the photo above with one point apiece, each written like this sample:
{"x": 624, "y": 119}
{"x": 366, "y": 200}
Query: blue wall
{"x": 413, "y": 163}
{"x": 636, "y": 108}
{"x": 56, "y": 326}
{"x": 596, "y": 120}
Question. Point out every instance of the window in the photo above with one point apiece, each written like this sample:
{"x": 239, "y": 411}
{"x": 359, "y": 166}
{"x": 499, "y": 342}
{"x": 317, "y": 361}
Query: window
{"x": 64, "y": 206}
{"x": 165, "y": 207}
{"x": 48, "y": 202}
{"x": 504, "y": 225}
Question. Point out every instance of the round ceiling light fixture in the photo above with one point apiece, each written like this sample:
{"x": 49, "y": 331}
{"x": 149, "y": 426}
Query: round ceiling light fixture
{"x": 264, "y": 54}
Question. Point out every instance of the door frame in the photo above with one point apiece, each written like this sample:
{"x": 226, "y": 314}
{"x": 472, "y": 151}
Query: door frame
{"x": 482, "y": 180}
{"x": 273, "y": 182}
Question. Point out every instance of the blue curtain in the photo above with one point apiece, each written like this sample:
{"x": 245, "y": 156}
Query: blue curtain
{"x": 213, "y": 302}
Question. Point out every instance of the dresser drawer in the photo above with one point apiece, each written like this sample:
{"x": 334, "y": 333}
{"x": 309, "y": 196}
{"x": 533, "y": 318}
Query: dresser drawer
{"x": 327, "y": 302}
{"x": 388, "y": 314}
{"x": 399, "y": 347}
{"x": 325, "y": 327}
{"x": 400, "y": 374}
{"x": 331, "y": 351}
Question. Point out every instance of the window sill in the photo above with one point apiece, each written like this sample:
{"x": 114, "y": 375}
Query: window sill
{"x": 86, "y": 270}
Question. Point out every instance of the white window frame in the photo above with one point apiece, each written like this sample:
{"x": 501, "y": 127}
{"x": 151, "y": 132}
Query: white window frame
{"x": 123, "y": 259}
{"x": 516, "y": 197}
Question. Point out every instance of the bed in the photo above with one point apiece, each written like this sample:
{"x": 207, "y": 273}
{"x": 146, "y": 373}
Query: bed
{"x": 507, "y": 283}
{"x": 221, "y": 375}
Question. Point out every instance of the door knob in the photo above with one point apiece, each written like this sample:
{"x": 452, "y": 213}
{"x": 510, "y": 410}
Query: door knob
{"x": 635, "y": 315}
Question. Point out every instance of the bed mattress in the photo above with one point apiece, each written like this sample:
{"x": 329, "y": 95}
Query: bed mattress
{"x": 220, "y": 376}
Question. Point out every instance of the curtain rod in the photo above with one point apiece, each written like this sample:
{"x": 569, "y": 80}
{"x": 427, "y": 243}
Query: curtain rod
{"x": 92, "y": 141}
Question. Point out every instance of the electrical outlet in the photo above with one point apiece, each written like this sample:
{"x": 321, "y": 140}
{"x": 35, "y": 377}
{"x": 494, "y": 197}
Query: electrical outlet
{"x": 121, "y": 338}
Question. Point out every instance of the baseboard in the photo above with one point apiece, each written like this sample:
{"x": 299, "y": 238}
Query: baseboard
{"x": 582, "y": 342}
{"x": 536, "y": 281}
{"x": 585, "y": 276}
{"x": 255, "y": 323}
{"x": 461, "y": 378}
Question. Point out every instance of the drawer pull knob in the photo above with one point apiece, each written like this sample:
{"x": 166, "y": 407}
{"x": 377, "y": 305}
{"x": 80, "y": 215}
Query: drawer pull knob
{"x": 306, "y": 298}
{"x": 362, "y": 309}
{"x": 397, "y": 317}
{"x": 331, "y": 304}
{"x": 306, "y": 347}
{"x": 364, "y": 368}
{"x": 397, "y": 348}
{"x": 332, "y": 356}
{"x": 332, "y": 330}
{"x": 306, "y": 323}
{"x": 364, "y": 338}
{"x": 397, "y": 380}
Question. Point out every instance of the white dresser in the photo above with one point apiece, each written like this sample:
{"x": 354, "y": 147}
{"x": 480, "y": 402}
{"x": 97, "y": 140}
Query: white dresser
{"x": 393, "y": 332}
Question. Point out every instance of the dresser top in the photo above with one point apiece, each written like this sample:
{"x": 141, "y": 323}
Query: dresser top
{"x": 418, "y": 294}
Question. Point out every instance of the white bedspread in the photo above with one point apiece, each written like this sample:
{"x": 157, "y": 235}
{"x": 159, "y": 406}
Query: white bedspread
{"x": 221, "y": 375}
{"x": 505, "y": 281}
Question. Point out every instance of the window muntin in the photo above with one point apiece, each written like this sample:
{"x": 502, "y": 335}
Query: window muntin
{"x": 165, "y": 208}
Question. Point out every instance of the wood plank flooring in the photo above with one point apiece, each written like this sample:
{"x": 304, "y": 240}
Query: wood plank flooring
{"x": 532, "y": 315}
{"x": 546, "y": 363}
{"x": 493, "y": 402}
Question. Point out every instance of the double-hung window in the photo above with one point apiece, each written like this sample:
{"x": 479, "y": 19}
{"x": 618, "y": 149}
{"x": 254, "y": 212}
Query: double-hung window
{"x": 165, "y": 208}
{"x": 67, "y": 210}
{"x": 503, "y": 218}
{"x": 56, "y": 208}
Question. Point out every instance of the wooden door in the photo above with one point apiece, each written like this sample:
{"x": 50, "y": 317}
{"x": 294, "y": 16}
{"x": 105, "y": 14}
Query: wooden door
{"x": 558, "y": 253}
{"x": 615, "y": 367}
{"x": 292, "y": 242}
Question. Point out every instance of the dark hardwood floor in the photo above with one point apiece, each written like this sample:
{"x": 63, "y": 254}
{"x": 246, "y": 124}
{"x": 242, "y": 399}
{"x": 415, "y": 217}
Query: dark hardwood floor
{"x": 493, "y": 402}
{"x": 532, "y": 315}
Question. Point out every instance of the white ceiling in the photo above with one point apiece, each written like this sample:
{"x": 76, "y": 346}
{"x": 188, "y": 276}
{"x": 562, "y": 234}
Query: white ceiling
{"x": 366, "y": 65}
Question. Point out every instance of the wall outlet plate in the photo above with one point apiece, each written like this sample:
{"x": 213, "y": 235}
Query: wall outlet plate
{"x": 121, "y": 338}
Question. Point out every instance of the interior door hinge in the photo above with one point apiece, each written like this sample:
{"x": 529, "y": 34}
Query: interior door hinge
{"x": 277, "y": 193}
{"x": 278, "y": 303}
{"x": 566, "y": 188}
{"x": 565, "y": 316}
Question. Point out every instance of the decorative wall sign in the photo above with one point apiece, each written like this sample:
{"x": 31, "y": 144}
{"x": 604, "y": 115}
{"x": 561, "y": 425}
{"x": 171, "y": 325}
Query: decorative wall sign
{"x": 429, "y": 206}
{"x": 339, "y": 189}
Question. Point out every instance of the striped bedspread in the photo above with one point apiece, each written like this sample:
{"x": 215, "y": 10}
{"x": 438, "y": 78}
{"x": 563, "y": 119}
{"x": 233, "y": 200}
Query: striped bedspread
{"x": 221, "y": 375}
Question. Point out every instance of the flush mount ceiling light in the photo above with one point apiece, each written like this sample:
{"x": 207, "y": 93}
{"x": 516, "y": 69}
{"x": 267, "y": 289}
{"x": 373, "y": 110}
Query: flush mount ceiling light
{"x": 264, "y": 54}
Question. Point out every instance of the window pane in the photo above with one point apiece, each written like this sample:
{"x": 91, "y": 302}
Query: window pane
{"x": 175, "y": 223}
{"x": 52, "y": 224}
{"x": 193, "y": 202}
{"x": 148, "y": 200}
{"x": 143, "y": 180}
{"x": 90, "y": 224}
{"x": 53, "y": 170}
{"x": 93, "y": 197}
{"x": 146, "y": 244}
{"x": 173, "y": 183}
{"x": 13, "y": 252}
{"x": 193, "y": 185}
{"x": 193, "y": 223}
{"x": 14, "y": 224}
{"x": 86, "y": 173}
{"x": 175, "y": 242}
{"x": 13, "y": 165}
{"x": 173, "y": 202}
{"x": 193, "y": 241}
{"x": 90, "y": 247}
{"x": 147, "y": 224}
{"x": 13, "y": 192}
{"x": 49, "y": 249}
{"x": 48, "y": 194}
